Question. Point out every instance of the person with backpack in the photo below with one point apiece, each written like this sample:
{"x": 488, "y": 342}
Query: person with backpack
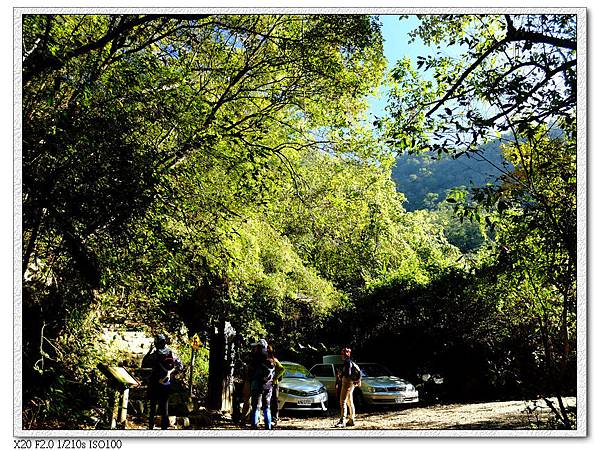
{"x": 163, "y": 362}
{"x": 279, "y": 371}
{"x": 350, "y": 378}
{"x": 262, "y": 371}
{"x": 247, "y": 376}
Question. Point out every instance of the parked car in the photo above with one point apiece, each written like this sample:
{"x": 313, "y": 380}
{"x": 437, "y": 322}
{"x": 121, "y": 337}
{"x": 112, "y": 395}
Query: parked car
{"x": 378, "y": 386}
{"x": 325, "y": 373}
{"x": 300, "y": 390}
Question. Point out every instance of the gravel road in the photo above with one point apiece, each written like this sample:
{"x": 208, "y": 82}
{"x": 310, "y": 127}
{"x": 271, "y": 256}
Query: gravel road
{"x": 473, "y": 416}
{"x": 487, "y": 415}
{"x": 480, "y": 416}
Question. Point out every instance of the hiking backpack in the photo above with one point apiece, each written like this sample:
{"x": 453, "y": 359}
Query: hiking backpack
{"x": 267, "y": 372}
{"x": 355, "y": 373}
{"x": 166, "y": 365}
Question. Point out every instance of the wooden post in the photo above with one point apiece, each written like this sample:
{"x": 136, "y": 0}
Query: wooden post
{"x": 113, "y": 408}
{"x": 123, "y": 411}
{"x": 192, "y": 370}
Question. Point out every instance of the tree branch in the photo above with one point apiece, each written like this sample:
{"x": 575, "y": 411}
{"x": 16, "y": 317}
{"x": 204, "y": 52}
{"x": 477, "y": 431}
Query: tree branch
{"x": 528, "y": 94}
{"x": 512, "y": 35}
{"x": 37, "y": 64}
{"x": 465, "y": 74}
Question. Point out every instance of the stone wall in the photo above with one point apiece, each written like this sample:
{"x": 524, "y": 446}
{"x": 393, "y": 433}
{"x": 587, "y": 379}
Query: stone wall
{"x": 126, "y": 348}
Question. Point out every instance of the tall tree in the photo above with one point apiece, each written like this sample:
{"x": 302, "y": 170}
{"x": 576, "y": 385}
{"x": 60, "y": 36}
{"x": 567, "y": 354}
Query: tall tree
{"x": 537, "y": 235}
{"x": 514, "y": 78}
{"x": 511, "y": 71}
{"x": 128, "y": 103}
{"x": 123, "y": 114}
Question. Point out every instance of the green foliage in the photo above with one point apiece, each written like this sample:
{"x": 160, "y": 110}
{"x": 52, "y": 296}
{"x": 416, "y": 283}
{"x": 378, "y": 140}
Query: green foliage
{"x": 153, "y": 146}
{"x": 533, "y": 215}
{"x": 492, "y": 74}
{"x": 507, "y": 78}
{"x": 348, "y": 221}
{"x": 466, "y": 235}
{"x": 209, "y": 168}
{"x": 420, "y": 177}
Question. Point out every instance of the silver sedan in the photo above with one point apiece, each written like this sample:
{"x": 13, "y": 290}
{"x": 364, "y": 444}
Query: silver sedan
{"x": 300, "y": 390}
{"x": 378, "y": 384}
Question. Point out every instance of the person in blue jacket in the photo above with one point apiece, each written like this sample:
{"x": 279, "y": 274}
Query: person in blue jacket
{"x": 262, "y": 371}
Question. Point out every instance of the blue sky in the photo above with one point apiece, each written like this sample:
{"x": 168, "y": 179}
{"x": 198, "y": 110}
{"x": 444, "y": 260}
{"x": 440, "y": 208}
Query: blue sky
{"x": 396, "y": 46}
{"x": 395, "y": 35}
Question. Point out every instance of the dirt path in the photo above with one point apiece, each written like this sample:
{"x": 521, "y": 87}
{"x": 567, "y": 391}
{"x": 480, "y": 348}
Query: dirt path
{"x": 475, "y": 416}
{"x": 489, "y": 415}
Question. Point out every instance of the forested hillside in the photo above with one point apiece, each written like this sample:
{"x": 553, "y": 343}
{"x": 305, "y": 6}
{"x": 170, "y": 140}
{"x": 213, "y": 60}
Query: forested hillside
{"x": 201, "y": 173}
{"x": 426, "y": 179}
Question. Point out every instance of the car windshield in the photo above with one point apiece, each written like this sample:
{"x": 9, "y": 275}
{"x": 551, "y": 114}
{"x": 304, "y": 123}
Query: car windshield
{"x": 295, "y": 370}
{"x": 373, "y": 370}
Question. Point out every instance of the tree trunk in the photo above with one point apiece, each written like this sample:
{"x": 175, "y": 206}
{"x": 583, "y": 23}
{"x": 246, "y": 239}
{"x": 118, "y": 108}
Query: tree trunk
{"x": 216, "y": 367}
{"x": 220, "y": 368}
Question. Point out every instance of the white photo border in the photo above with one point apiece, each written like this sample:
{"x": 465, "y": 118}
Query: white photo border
{"x": 582, "y": 201}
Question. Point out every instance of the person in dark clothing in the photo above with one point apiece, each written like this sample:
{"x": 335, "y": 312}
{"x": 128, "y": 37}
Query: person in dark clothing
{"x": 350, "y": 378}
{"x": 163, "y": 362}
{"x": 261, "y": 372}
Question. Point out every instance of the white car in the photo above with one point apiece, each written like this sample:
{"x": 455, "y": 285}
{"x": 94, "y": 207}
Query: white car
{"x": 378, "y": 384}
{"x": 300, "y": 390}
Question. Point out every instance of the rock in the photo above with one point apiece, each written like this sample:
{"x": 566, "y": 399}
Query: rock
{"x": 183, "y": 421}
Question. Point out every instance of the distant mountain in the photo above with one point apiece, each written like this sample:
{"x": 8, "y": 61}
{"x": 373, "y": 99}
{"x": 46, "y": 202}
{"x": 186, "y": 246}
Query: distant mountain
{"x": 425, "y": 180}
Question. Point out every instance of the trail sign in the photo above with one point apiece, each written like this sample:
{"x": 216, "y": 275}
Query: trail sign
{"x": 119, "y": 382}
{"x": 195, "y": 342}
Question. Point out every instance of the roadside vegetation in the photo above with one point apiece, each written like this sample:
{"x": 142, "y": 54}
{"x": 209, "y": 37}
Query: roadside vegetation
{"x": 183, "y": 171}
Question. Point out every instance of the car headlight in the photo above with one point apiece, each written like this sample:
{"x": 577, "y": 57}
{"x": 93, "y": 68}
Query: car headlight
{"x": 322, "y": 389}
{"x": 291, "y": 391}
{"x": 374, "y": 389}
